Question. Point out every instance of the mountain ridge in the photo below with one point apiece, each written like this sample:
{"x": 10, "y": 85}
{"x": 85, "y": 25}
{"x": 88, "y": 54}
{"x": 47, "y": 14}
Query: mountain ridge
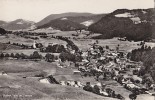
{"x": 18, "y": 24}
{"x": 63, "y": 25}
{"x": 57, "y": 16}
{"x": 136, "y": 24}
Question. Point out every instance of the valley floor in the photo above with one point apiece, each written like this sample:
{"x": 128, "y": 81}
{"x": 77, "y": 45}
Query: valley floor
{"x": 22, "y": 81}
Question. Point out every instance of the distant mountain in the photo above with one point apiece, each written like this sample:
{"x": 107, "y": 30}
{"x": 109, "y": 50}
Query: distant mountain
{"x": 86, "y": 20}
{"x": 76, "y": 17}
{"x": 62, "y": 24}
{"x": 18, "y": 24}
{"x": 137, "y": 24}
{"x": 2, "y": 23}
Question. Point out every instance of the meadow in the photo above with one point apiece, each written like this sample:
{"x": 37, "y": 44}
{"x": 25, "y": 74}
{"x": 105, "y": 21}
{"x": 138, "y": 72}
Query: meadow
{"x": 15, "y": 83}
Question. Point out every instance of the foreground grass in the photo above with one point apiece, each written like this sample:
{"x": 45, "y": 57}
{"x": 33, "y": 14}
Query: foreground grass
{"x": 14, "y": 86}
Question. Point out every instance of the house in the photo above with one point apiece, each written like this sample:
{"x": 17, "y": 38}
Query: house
{"x": 85, "y": 60}
{"x": 44, "y": 80}
{"x": 76, "y": 72}
{"x": 131, "y": 86}
{"x": 62, "y": 83}
{"x": 84, "y": 54}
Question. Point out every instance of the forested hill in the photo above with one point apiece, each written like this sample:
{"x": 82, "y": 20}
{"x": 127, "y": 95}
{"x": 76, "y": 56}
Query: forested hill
{"x": 63, "y": 24}
{"x": 137, "y": 24}
{"x": 147, "y": 56}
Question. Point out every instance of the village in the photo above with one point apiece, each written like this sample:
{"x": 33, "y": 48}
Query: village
{"x": 101, "y": 70}
{"x": 77, "y": 50}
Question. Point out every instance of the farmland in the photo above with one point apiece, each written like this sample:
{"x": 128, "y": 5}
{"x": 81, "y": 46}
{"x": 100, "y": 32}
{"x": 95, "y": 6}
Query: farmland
{"x": 31, "y": 88}
{"x": 23, "y": 75}
{"x": 77, "y": 50}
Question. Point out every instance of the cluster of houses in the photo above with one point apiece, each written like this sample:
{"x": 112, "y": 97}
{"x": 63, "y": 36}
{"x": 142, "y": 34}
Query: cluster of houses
{"x": 95, "y": 63}
{"x": 101, "y": 63}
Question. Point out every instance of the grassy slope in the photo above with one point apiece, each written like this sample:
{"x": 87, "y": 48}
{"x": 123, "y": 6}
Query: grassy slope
{"x": 14, "y": 84}
{"x": 2, "y": 46}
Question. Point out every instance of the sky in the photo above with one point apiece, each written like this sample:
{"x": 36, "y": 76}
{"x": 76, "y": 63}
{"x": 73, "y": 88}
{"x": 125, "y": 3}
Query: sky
{"x": 36, "y": 10}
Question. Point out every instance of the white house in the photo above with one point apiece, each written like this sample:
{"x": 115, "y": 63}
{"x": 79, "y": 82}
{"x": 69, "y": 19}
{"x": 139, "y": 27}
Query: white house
{"x": 45, "y": 80}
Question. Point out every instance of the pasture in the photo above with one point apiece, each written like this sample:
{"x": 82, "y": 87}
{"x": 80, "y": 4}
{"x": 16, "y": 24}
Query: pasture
{"x": 30, "y": 88}
{"x": 79, "y": 40}
{"x": 22, "y": 80}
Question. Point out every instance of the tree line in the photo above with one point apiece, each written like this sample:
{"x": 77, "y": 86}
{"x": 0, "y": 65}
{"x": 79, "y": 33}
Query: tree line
{"x": 147, "y": 56}
{"x": 34, "y": 56}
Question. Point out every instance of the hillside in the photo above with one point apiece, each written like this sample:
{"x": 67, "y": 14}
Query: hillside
{"x": 137, "y": 24}
{"x": 2, "y": 23}
{"x": 63, "y": 24}
{"x": 3, "y": 46}
{"x": 147, "y": 56}
{"x": 18, "y": 24}
{"x": 151, "y": 60}
{"x": 56, "y": 16}
{"x": 14, "y": 83}
{"x": 86, "y": 19}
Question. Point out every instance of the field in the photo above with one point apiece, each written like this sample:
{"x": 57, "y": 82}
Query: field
{"x": 82, "y": 43}
{"x": 112, "y": 43}
{"x": 30, "y": 88}
{"x": 21, "y": 81}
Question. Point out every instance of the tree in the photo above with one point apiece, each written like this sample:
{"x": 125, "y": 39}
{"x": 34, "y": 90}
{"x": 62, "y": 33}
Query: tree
{"x": 132, "y": 96}
{"x": 2, "y": 31}
{"x": 67, "y": 56}
{"x": 149, "y": 48}
{"x": 12, "y": 55}
{"x": 23, "y": 56}
{"x": 96, "y": 89}
{"x": 49, "y": 57}
{"x": 88, "y": 87}
{"x": 35, "y": 55}
{"x": 107, "y": 47}
{"x": 7, "y": 55}
{"x": 39, "y": 45}
{"x": 2, "y": 55}
{"x": 142, "y": 47}
{"x": 17, "y": 55}
{"x": 55, "y": 48}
